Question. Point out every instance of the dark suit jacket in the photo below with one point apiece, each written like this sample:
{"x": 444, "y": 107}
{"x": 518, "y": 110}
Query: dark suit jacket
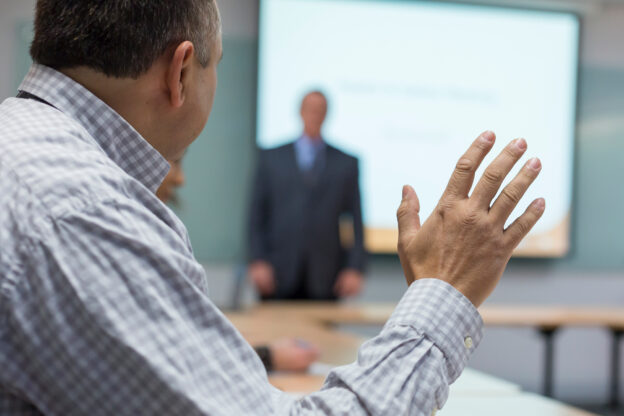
{"x": 295, "y": 220}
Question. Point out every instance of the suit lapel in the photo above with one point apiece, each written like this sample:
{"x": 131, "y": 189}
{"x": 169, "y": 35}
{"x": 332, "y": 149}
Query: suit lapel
{"x": 326, "y": 173}
{"x": 292, "y": 166}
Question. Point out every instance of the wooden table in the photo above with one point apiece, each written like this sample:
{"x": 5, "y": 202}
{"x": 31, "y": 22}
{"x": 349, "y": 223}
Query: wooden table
{"x": 549, "y": 319}
{"x": 338, "y": 348}
{"x": 546, "y": 319}
{"x": 473, "y": 393}
{"x": 330, "y": 313}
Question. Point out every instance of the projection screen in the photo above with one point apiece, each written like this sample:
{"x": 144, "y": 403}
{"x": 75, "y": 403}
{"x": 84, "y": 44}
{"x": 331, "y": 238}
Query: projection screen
{"x": 411, "y": 84}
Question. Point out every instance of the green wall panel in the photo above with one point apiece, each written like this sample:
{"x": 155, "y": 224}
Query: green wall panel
{"x": 219, "y": 163}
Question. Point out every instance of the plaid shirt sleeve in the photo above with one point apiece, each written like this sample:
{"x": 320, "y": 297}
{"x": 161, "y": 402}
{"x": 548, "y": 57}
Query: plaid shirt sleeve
{"x": 120, "y": 327}
{"x": 408, "y": 367}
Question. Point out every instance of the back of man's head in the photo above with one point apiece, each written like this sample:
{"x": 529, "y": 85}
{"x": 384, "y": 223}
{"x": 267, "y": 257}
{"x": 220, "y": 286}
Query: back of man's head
{"x": 120, "y": 38}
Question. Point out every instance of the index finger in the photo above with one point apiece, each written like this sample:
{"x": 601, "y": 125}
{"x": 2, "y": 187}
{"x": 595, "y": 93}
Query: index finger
{"x": 463, "y": 176}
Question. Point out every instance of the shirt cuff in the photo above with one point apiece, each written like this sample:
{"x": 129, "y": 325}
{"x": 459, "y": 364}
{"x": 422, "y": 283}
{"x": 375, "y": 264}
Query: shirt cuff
{"x": 440, "y": 312}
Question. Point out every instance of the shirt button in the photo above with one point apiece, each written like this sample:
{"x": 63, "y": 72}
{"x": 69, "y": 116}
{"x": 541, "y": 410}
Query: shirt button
{"x": 468, "y": 342}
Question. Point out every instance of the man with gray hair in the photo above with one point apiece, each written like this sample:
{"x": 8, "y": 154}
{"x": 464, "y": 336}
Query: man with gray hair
{"x": 103, "y": 308}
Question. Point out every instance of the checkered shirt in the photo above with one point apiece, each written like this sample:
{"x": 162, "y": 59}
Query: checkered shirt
{"x": 105, "y": 311}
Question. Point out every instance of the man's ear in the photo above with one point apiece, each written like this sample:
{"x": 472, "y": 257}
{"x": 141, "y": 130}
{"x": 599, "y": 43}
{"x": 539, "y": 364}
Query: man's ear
{"x": 178, "y": 73}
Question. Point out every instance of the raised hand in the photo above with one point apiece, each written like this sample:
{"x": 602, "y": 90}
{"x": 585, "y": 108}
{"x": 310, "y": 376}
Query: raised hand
{"x": 464, "y": 241}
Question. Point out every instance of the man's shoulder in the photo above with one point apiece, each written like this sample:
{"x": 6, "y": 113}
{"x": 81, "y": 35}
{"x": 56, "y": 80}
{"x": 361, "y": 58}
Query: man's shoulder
{"x": 276, "y": 155}
{"x": 341, "y": 156}
{"x": 22, "y": 116}
{"x": 34, "y": 136}
{"x": 278, "y": 150}
{"x": 51, "y": 163}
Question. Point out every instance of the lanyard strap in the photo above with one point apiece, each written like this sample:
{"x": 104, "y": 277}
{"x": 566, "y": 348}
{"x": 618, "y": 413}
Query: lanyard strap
{"x": 29, "y": 96}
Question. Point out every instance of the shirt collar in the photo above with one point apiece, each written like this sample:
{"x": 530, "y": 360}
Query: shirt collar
{"x": 307, "y": 141}
{"x": 117, "y": 138}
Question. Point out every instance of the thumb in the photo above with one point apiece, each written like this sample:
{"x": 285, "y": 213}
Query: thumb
{"x": 408, "y": 213}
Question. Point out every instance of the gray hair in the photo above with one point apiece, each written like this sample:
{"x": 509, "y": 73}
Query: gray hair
{"x": 198, "y": 33}
{"x": 121, "y": 38}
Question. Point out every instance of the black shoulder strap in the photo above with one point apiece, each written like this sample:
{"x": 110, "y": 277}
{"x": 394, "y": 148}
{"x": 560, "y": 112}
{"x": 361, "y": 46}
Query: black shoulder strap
{"x": 27, "y": 95}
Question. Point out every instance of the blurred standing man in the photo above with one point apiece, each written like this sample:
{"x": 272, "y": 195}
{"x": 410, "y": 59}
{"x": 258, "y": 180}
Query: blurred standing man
{"x": 301, "y": 192}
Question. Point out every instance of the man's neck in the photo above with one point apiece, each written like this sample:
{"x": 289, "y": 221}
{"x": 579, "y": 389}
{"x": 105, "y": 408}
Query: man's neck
{"x": 313, "y": 137}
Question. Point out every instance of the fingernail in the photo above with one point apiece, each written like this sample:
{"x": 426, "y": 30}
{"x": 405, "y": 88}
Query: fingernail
{"x": 521, "y": 144}
{"x": 540, "y": 204}
{"x": 534, "y": 163}
{"x": 488, "y": 136}
{"x": 404, "y": 191}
